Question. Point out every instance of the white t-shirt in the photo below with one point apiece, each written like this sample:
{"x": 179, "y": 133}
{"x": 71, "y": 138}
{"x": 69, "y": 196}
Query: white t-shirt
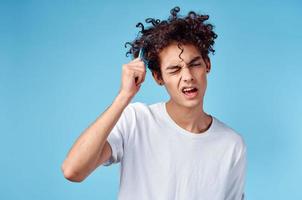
{"x": 162, "y": 161}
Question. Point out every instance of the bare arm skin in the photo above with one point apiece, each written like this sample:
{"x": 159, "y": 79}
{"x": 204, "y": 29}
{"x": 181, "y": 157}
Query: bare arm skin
{"x": 91, "y": 149}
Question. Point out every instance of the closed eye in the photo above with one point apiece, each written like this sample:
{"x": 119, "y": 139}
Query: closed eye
{"x": 175, "y": 71}
{"x": 194, "y": 65}
{"x": 197, "y": 64}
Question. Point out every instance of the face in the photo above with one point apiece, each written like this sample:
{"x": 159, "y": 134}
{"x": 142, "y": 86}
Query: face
{"x": 183, "y": 74}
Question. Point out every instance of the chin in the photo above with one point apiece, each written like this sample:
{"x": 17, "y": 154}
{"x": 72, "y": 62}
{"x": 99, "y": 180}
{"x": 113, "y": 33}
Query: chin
{"x": 182, "y": 101}
{"x": 194, "y": 103}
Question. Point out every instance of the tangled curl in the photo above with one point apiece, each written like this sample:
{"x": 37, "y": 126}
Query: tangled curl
{"x": 190, "y": 29}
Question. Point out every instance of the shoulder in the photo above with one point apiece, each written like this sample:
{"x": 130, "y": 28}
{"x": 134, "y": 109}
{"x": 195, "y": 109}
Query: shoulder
{"x": 141, "y": 108}
{"x": 230, "y": 135}
{"x": 233, "y": 141}
{"x": 138, "y": 105}
{"x": 142, "y": 105}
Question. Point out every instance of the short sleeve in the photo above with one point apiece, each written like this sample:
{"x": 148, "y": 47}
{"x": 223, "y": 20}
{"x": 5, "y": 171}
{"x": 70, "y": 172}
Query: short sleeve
{"x": 236, "y": 178}
{"x": 119, "y": 135}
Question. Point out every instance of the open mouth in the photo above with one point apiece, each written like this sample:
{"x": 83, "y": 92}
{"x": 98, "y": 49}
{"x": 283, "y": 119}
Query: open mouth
{"x": 190, "y": 91}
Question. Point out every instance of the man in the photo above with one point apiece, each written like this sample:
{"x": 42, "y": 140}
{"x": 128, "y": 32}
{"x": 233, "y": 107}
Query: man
{"x": 168, "y": 150}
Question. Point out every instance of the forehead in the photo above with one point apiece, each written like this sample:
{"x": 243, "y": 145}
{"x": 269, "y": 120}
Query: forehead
{"x": 173, "y": 54}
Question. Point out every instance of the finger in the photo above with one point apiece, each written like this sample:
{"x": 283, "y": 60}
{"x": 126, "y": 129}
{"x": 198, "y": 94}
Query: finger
{"x": 139, "y": 77}
{"x": 137, "y": 62}
{"x": 139, "y": 67}
{"x": 130, "y": 68}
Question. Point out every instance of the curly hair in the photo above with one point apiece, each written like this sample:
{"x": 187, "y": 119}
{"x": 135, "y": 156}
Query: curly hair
{"x": 190, "y": 29}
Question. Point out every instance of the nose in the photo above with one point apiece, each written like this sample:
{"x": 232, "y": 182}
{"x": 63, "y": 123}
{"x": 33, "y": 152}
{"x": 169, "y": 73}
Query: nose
{"x": 187, "y": 74}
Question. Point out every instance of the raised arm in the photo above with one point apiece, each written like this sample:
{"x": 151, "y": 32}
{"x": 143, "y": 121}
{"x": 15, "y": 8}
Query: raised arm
{"x": 91, "y": 148}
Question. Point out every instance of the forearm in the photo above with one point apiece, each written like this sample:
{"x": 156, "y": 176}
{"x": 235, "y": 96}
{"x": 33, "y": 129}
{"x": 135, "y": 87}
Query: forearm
{"x": 84, "y": 154}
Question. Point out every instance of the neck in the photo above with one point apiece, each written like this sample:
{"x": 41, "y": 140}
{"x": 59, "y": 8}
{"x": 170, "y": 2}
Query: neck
{"x": 192, "y": 119}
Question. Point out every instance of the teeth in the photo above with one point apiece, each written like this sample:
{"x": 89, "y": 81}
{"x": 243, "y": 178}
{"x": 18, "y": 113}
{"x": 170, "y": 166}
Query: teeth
{"x": 188, "y": 89}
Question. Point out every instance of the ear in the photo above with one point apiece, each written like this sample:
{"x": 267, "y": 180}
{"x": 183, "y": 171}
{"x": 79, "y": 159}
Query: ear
{"x": 208, "y": 64}
{"x": 157, "y": 78}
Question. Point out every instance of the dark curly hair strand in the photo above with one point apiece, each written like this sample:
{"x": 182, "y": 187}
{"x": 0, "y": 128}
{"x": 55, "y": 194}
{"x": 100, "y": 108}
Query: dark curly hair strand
{"x": 190, "y": 29}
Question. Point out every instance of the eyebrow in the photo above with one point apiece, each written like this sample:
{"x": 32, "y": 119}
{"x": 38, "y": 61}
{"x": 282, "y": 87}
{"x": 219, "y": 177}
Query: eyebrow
{"x": 176, "y": 66}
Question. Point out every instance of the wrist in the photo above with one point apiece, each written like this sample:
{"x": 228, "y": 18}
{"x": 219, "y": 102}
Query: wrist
{"x": 123, "y": 98}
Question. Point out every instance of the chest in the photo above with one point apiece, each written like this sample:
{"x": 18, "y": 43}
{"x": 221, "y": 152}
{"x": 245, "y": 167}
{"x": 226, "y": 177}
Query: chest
{"x": 160, "y": 153}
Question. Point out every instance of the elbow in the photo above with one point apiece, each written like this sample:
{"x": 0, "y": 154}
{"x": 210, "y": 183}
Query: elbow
{"x": 71, "y": 175}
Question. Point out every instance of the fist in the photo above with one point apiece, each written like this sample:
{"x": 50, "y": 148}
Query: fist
{"x": 133, "y": 75}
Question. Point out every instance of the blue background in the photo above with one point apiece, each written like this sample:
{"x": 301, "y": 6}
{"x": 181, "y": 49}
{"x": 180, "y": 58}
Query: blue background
{"x": 60, "y": 67}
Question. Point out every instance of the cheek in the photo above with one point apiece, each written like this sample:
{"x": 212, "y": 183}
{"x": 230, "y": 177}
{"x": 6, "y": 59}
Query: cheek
{"x": 169, "y": 80}
{"x": 203, "y": 83}
{"x": 171, "y": 85}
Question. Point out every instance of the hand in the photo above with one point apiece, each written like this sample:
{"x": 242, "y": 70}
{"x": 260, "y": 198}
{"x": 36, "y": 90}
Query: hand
{"x": 133, "y": 75}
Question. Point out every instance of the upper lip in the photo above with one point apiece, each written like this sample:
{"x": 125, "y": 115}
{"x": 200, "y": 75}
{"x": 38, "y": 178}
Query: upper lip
{"x": 191, "y": 86}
